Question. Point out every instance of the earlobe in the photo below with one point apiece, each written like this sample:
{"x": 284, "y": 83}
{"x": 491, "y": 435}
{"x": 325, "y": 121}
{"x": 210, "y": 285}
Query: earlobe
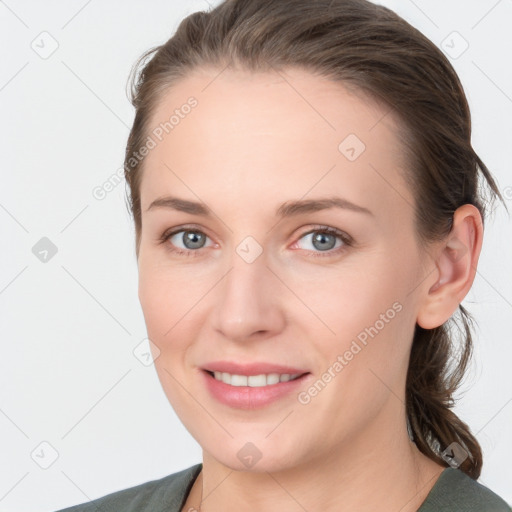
{"x": 456, "y": 262}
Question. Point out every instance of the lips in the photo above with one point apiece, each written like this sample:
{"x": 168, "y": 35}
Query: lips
{"x": 251, "y": 368}
{"x": 252, "y": 398}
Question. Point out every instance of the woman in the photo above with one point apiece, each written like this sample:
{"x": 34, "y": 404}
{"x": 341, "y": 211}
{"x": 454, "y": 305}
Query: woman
{"x": 314, "y": 378}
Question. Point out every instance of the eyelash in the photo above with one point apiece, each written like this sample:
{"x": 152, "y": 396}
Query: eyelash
{"x": 346, "y": 239}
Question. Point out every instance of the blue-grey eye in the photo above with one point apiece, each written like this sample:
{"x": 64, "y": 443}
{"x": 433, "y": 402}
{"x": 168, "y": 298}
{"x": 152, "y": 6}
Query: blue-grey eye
{"x": 322, "y": 241}
{"x": 189, "y": 239}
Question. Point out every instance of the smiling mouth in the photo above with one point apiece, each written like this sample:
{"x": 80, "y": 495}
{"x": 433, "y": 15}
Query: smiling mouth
{"x": 262, "y": 380}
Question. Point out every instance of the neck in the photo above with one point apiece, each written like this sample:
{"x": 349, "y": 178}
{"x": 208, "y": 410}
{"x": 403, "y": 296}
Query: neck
{"x": 380, "y": 469}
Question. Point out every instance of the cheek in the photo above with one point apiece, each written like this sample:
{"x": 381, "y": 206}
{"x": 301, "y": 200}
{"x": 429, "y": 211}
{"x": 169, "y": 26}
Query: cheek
{"x": 171, "y": 302}
{"x": 161, "y": 305}
{"x": 379, "y": 325}
{"x": 165, "y": 317}
{"x": 351, "y": 298}
{"x": 365, "y": 307}
{"x": 154, "y": 302}
{"x": 166, "y": 293}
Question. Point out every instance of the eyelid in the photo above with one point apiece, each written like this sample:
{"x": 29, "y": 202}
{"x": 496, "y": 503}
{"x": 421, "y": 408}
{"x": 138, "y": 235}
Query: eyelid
{"x": 320, "y": 228}
{"x": 176, "y": 229}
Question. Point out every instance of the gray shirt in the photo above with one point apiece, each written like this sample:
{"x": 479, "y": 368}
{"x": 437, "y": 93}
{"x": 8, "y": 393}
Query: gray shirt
{"x": 454, "y": 491}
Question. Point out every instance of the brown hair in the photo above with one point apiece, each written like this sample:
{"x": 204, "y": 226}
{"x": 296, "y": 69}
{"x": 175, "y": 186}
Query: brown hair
{"x": 369, "y": 48}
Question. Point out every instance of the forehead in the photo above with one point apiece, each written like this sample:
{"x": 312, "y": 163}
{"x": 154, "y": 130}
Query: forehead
{"x": 273, "y": 133}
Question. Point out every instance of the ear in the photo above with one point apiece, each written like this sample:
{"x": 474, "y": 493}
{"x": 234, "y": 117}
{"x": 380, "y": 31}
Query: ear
{"x": 456, "y": 260}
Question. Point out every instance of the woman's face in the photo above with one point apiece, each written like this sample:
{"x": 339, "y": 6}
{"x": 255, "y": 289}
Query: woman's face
{"x": 259, "y": 166}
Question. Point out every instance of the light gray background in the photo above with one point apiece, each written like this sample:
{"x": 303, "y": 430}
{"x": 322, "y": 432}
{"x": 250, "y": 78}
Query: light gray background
{"x": 68, "y": 374}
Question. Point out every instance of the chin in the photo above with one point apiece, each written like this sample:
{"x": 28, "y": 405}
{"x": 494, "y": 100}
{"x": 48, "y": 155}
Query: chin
{"x": 253, "y": 457}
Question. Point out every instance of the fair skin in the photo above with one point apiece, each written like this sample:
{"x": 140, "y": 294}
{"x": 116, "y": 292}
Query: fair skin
{"x": 253, "y": 143}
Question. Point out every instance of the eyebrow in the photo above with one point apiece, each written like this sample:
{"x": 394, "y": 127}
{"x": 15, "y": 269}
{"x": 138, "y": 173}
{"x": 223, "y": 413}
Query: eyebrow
{"x": 287, "y": 209}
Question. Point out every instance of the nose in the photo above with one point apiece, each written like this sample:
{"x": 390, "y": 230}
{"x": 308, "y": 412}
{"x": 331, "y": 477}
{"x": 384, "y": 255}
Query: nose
{"x": 248, "y": 301}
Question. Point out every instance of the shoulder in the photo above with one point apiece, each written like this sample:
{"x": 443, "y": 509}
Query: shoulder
{"x": 455, "y": 491}
{"x": 166, "y": 493}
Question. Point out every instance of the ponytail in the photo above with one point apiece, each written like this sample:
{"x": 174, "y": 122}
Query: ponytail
{"x": 431, "y": 384}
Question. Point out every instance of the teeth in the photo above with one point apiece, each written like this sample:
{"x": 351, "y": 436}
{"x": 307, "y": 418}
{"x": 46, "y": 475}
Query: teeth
{"x": 254, "y": 381}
